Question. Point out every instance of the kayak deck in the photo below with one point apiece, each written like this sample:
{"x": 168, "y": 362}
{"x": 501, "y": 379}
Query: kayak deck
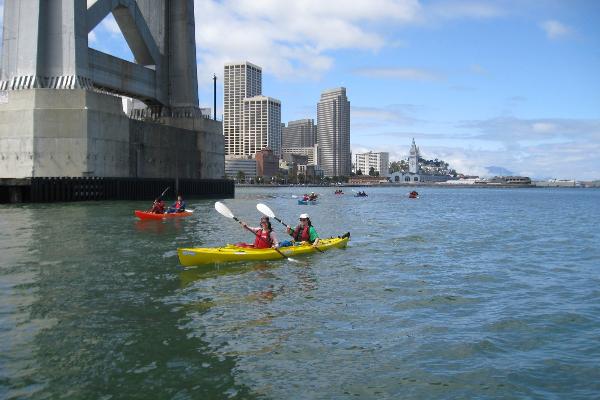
{"x": 148, "y": 215}
{"x": 231, "y": 253}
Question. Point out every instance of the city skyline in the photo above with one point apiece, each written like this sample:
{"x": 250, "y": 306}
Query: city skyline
{"x": 478, "y": 84}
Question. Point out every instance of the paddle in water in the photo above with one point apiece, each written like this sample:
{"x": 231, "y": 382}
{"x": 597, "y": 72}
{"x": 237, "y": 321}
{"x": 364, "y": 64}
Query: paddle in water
{"x": 226, "y": 212}
{"x": 263, "y": 208}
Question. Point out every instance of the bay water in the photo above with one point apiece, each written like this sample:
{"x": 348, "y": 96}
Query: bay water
{"x": 462, "y": 293}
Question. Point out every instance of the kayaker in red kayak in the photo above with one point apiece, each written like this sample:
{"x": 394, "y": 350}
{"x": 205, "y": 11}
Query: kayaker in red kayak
{"x": 158, "y": 207}
{"x": 178, "y": 206}
{"x": 304, "y": 232}
{"x": 265, "y": 237}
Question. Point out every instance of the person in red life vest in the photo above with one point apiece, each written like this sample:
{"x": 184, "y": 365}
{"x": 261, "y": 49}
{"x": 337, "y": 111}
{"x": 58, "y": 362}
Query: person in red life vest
{"x": 265, "y": 237}
{"x": 305, "y": 197}
{"x": 158, "y": 207}
{"x": 178, "y": 206}
{"x": 304, "y": 232}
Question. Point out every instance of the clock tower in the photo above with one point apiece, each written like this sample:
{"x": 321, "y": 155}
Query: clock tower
{"x": 413, "y": 159}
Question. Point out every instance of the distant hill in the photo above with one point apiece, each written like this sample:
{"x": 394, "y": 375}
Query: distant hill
{"x": 499, "y": 171}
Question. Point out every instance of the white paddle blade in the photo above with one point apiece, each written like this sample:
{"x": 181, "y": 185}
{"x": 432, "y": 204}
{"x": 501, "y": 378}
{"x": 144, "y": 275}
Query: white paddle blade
{"x": 263, "y": 208}
{"x": 223, "y": 210}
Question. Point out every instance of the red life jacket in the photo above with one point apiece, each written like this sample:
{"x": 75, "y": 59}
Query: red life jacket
{"x": 263, "y": 240}
{"x": 301, "y": 236}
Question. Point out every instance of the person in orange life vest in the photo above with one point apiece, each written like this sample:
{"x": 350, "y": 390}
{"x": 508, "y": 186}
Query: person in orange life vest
{"x": 158, "y": 207}
{"x": 178, "y": 206}
{"x": 304, "y": 232}
{"x": 265, "y": 237}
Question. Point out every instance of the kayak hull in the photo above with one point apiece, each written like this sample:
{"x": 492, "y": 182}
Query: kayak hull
{"x": 149, "y": 215}
{"x": 307, "y": 202}
{"x": 215, "y": 255}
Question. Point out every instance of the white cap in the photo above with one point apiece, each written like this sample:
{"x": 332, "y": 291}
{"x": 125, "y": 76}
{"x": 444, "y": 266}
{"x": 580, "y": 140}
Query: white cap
{"x": 302, "y": 216}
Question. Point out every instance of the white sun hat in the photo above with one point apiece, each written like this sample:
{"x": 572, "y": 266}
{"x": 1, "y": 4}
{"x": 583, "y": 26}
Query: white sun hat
{"x": 302, "y": 216}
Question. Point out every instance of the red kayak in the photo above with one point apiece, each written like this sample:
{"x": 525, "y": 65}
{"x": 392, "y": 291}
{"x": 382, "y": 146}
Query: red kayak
{"x": 149, "y": 215}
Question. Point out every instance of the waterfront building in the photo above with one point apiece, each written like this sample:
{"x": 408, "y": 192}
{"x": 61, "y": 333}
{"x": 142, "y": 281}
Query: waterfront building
{"x": 415, "y": 174}
{"x": 558, "y": 183}
{"x": 267, "y": 163}
{"x": 380, "y": 162}
{"x": 333, "y": 132}
{"x": 261, "y": 125}
{"x": 240, "y": 81}
{"x": 300, "y": 133}
{"x": 311, "y": 152}
{"x": 367, "y": 180}
{"x": 233, "y": 167}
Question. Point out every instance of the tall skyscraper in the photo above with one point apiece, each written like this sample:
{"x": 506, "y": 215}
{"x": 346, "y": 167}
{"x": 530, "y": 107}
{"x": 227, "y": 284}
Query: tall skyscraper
{"x": 333, "y": 132}
{"x": 261, "y": 125}
{"x": 240, "y": 81}
{"x": 300, "y": 133}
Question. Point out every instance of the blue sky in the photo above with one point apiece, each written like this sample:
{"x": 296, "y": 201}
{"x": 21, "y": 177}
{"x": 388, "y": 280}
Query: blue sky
{"x": 477, "y": 83}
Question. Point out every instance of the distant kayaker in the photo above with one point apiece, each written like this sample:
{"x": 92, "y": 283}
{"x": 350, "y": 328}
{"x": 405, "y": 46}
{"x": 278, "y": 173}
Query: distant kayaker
{"x": 158, "y": 207}
{"x": 304, "y": 232}
{"x": 312, "y": 196}
{"x": 265, "y": 237}
{"x": 178, "y": 206}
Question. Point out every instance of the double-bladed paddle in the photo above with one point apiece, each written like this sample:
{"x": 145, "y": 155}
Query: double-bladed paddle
{"x": 226, "y": 212}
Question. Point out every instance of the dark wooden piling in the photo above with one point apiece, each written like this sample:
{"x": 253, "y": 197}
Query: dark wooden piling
{"x": 66, "y": 189}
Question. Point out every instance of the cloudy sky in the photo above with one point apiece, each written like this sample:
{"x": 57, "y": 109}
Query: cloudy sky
{"x": 508, "y": 83}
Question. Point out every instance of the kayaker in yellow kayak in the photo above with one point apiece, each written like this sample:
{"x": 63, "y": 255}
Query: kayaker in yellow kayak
{"x": 304, "y": 232}
{"x": 265, "y": 237}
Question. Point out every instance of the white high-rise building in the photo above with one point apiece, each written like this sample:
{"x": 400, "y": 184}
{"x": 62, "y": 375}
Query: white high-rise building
{"x": 240, "y": 81}
{"x": 380, "y": 162}
{"x": 261, "y": 125}
{"x": 333, "y": 132}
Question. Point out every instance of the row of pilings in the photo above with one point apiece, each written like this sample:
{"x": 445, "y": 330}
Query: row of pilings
{"x": 66, "y": 189}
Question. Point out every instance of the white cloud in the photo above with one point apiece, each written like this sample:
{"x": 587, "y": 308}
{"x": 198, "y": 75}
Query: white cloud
{"x": 544, "y": 130}
{"x": 555, "y": 30}
{"x": 545, "y": 147}
{"x": 92, "y": 38}
{"x": 110, "y": 25}
{"x": 465, "y": 9}
{"x": 399, "y": 73}
{"x": 293, "y": 39}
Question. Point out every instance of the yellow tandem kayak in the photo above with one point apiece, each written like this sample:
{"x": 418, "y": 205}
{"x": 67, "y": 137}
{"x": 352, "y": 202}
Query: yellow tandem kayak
{"x": 209, "y": 255}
